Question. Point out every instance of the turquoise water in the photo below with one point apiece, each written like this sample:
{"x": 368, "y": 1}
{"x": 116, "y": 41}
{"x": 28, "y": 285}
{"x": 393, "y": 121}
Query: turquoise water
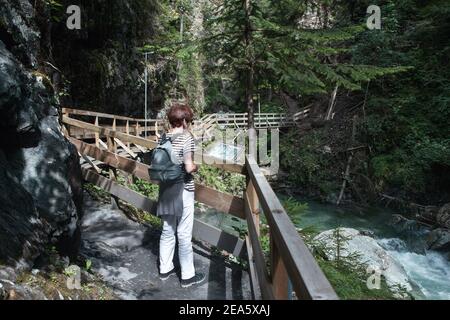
{"x": 429, "y": 270}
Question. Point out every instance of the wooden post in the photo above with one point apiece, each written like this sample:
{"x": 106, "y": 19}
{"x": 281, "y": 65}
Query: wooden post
{"x": 112, "y": 172}
{"x": 254, "y": 204}
{"x": 252, "y": 143}
{"x": 280, "y": 278}
{"x": 97, "y": 135}
{"x": 127, "y": 131}
{"x": 114, "y": 127}
{"x": 137, "y": 129}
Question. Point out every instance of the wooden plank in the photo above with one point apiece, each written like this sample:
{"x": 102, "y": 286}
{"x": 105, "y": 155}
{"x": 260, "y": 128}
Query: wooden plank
{"x": 201, "y": 231}
{"x": 124, "y": 147}
{"x": 218, "y": 163}
{"x": 222, "y": 202}
{"x": 133, "y": 167}
{"x": 140, "y": 148}
{"x": 92, "y": 164}
{"x": 307, "y": 278}
{"x": 254, "y": 204}
{"x": 101, "y": 143}
{"x": 260, "y": 263}
{"x": 280, "y": 278}
{"x": 219, "y": 238}
{"x": 256, "y": 291}
{"x": 121, "y": 192}
{"x": 218, "y": 200}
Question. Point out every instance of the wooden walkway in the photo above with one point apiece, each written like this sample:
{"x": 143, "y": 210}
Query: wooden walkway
{"x": 291, "y": 265}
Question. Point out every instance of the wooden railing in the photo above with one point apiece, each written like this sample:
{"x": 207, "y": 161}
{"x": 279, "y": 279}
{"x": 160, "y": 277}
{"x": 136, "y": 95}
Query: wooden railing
{"x": 122, "y": 124}
{"x": 202, "y": 127}
{"x": 290, "y": 260}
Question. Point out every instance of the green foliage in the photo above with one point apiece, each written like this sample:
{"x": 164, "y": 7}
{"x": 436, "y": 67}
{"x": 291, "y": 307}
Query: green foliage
{"x": 88, "y": 265}
{"x": 146, "y": 188}
{"x": 407, "y": 114}
{"x": 221, "y": 180}
{"x": 294, "y": 209}
{"x": 241, "y": 230}
{"x": 57, "y": 10}
{"x": 96, "y": 192}
{"x": 311, "y": 163}
{"x": 175, "y": 60}
{"x": 289, "y": 57}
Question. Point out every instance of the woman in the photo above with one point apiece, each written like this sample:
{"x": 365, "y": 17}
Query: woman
{"x": 176, "y": 202}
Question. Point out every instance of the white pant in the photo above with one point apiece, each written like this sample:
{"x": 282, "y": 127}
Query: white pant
{"x": 183, "y": 226}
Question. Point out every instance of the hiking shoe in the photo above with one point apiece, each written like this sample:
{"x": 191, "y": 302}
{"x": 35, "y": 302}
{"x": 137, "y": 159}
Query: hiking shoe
{"x": 198, "y": 278}
{"x": 165, "y": 276}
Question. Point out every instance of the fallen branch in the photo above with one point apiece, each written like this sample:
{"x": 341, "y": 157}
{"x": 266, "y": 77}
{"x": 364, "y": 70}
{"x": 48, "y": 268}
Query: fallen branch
{"x": 332, "y": 104}
{"x": 346, "y": 176}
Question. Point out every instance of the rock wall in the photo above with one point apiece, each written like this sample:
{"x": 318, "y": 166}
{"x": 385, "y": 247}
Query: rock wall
{"x": 40, "y": 176}
{"x": 101, "y": 63}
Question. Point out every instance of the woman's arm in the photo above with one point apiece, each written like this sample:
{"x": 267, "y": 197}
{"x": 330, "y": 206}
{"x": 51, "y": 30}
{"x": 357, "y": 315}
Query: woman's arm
{"x": 189, "y": 164}
{"x": 188, "y": 155}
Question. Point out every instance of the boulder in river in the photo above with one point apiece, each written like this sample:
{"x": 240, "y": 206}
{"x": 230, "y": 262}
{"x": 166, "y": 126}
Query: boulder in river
{"x": 368, "y": 252}
{"x": 439, "y": 240}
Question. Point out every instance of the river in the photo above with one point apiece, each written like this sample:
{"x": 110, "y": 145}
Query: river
{"x": 429, "y": 270}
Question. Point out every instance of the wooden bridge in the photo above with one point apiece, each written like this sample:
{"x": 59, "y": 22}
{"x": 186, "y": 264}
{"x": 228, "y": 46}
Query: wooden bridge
{"x": 201, "y": 128}
{"x": 290, "y": 266}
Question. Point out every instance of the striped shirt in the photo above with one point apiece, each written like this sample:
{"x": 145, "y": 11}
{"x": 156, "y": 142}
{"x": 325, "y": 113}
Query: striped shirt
{"x": 182, "y": 145}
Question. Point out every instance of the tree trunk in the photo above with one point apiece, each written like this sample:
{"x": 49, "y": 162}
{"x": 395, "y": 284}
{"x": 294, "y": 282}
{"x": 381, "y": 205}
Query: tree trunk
{"x": 249, "y": 87}
{"x": 196, "y": 89}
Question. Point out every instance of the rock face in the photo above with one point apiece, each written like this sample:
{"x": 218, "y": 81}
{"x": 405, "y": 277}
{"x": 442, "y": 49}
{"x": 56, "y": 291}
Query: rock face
{"x": 369, "y": 252}
{"x": 40, "y": 177}
{"x": 105, "y": 49}
{"x": 443, "y": 216}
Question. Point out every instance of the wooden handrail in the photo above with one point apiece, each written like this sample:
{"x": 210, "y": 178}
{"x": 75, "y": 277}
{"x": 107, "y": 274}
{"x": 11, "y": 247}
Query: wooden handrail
{"x": 307, "y": 278}
{"x": 88, "y": 113}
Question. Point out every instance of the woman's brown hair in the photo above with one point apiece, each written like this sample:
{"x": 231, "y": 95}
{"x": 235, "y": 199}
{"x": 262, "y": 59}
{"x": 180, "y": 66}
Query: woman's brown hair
{"x": 178, "y": 113}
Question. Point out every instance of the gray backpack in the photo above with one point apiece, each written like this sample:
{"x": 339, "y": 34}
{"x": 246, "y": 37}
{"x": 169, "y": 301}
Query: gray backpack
{"x": 164, "y": 165}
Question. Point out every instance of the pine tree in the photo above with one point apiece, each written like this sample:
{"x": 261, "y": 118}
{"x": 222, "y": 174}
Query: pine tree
{"x": 268, "y": 42}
